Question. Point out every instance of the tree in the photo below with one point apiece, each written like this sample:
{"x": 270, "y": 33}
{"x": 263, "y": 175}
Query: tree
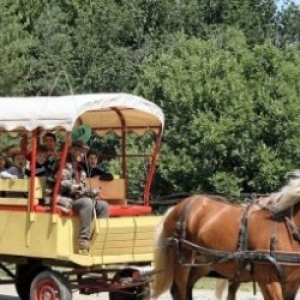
{"x": 51, "y": 51}
{"x": 231, "y": 113}
{"x": 289, "y": 25}
{"x": 15, "y": 43}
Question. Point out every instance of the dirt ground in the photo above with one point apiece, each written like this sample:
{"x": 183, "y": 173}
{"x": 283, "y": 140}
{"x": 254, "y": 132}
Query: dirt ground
{"x": 7, "y": 292}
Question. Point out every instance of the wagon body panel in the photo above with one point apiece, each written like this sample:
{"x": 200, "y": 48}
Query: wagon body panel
{"x": 116, "y": 240}
{"x": 37, "y": 236}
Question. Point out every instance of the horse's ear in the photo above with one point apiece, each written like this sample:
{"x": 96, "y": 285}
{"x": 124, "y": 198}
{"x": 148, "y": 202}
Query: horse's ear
{"x": 295, "y": 174}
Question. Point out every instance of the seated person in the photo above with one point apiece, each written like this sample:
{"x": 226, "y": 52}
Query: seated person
{"x": 49, "y": 141}
{"x": 74, "y": 195}
{"x": 4, "y": 163}
{"x": 17, "y": 170}
{"x": 92, "y": 168}
{"x": 42, "y": 163}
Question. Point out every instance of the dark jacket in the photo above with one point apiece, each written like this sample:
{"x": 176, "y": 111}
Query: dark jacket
{"x": 40, "y": 170}
{"x": 72, "y": 185}
{"x": 105, "y": 176}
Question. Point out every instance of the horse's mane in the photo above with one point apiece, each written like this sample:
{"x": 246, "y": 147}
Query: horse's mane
{"x": 287, "y": 197}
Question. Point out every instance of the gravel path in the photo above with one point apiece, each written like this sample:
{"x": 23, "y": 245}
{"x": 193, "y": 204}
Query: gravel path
{"x": 7, "y": 292}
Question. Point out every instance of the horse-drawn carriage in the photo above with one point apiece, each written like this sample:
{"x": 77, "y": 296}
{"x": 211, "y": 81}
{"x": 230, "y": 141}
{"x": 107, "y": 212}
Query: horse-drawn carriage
{"x": 41, "y": 240}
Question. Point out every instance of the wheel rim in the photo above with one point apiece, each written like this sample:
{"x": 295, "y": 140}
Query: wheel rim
{"x": 46, "y": 290}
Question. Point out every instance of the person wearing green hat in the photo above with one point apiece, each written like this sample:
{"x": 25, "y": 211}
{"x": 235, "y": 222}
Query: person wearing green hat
{"x": 73, "y": 194}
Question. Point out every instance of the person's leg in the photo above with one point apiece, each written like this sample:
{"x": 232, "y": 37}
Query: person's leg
{"x": 102, "y": 209}
{"x": 85, "y": 207}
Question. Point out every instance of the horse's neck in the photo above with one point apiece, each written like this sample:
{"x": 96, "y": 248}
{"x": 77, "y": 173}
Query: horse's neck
{"x": 296, "y": 214}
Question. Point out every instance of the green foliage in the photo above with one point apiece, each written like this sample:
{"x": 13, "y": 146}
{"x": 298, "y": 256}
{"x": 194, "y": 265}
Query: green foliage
{"x": 51, "y": 51}
{"x": 224, "y": 72}
{"x": 289, "y": 24}
{"x": 240, "y": 115}
{"x": 15, "y": 44}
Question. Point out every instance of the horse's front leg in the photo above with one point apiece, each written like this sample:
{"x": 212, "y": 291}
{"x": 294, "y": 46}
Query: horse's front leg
{"x": 290, "y": 290}
{"x": 271, "y": 290}
{"x": 232, "y": 290}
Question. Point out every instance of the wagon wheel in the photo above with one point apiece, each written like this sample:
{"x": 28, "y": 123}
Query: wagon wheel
{"x": 133, "y": 293}
{"x": 50, "y": 285}
{"x": 24, "y": 276}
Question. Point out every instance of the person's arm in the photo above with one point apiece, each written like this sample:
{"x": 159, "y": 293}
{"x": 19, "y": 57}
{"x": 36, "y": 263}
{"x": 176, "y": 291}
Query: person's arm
{"x": 105, "y": 176}
{"x": 9, "y": 174}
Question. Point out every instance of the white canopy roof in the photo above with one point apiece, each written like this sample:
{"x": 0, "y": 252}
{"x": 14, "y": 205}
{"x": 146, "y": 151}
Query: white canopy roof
{"x": 64, "y": 112}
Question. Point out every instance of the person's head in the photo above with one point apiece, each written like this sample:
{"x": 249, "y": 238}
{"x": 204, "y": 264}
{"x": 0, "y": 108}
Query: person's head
{"x": 77, "y": 151}
{"x": 41, "y": 154}
{"x": 19, "y": 160}
{"x": 49, "y": 140}
{"x": 92, "y": 158}
{"x": 3, "y": 162}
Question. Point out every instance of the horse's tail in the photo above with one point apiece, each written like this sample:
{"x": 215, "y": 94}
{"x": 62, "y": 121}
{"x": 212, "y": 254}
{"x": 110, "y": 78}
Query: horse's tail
{"x": 163, "y": 263}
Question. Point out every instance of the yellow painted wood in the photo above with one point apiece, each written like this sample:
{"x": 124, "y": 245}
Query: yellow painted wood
{"x": 22, "y": 186}
{"x": 144, "y": 257}
{"x": 146, "y": 249}
{"x": 143, "y": 243}
{"x": 144, "y": 235}
{"x": 14, "y": 201}
{"x": 114, "y": 236}
{"x": 117, "y": 259}
{"x": 119, "y": 244}
{"x": 44, "y": 238}
{"x": 110, "y": 190}
{"x": 16, "y": 185}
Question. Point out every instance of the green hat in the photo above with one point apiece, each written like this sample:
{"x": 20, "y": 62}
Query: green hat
{"x": 81, "y": 133}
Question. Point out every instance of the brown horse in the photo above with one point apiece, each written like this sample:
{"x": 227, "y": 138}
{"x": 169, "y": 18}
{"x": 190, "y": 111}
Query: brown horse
{"x": 241, "y": 244}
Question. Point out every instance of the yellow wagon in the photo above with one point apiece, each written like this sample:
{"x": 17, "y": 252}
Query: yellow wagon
{"x": 41, "y": 240}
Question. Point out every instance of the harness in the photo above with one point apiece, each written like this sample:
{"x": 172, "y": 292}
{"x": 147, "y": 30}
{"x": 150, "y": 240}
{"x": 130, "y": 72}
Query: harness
{"x": 242, "y": 255}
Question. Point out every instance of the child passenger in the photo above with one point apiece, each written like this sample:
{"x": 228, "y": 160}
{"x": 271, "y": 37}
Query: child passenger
{"x": 17, "y": 170}
{"x": 4, "y": 164}
{"x": 41, "y": 166}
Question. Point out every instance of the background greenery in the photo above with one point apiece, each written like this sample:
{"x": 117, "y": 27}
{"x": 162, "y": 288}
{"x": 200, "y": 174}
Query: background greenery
{"x": 226, "y": 73}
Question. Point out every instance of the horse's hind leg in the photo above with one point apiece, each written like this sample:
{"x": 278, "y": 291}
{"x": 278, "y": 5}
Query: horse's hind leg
{"x": 179, "y": 288}
{"x": 181, "y": 278}
{"x": 195, "y": 274}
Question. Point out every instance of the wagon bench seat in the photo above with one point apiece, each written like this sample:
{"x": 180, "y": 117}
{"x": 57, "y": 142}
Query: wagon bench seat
{"x": 113, "y": 193}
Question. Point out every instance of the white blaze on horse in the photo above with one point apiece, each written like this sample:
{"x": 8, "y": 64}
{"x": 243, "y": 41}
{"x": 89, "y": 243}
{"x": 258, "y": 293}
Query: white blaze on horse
{"x": 204, "y": 233}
